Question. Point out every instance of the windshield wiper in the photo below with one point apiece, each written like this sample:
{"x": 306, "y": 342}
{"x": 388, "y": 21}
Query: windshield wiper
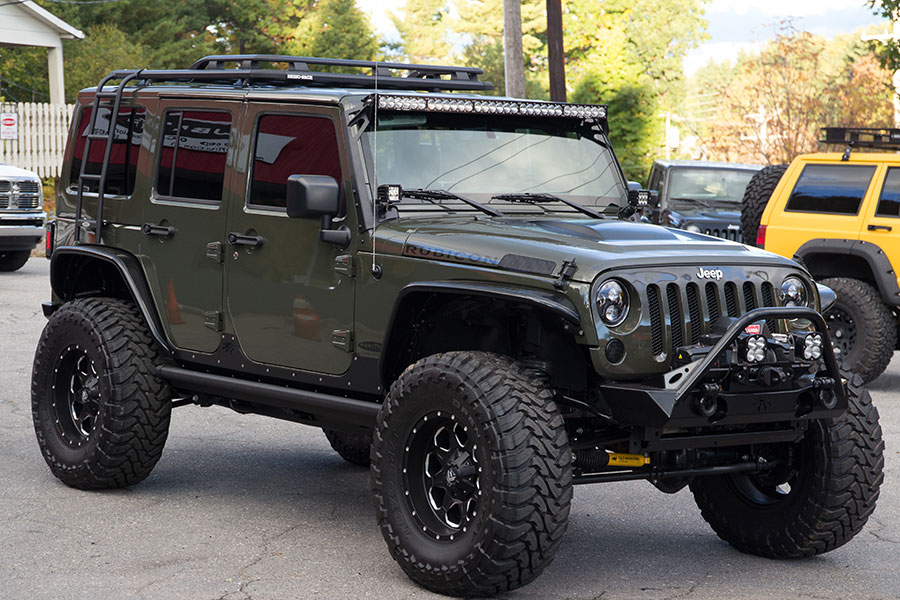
{"x": 421, "y": 194}
{"x": 538, "y": 198}
{"x": 691, "y": 200}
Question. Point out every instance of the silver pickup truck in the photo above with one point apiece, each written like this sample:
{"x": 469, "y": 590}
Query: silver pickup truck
{"x": 22, "y": 217}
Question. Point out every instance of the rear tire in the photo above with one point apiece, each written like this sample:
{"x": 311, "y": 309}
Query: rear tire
{"x": 352, "y": 447}
{"x": 472, "y": 474}
{"x": 13, "y": 260}
{"x": 756, "y": 196}
{"x": 862, "y": 326}
{"x": 833, "y": 487}
{"x": 101, "y": 414}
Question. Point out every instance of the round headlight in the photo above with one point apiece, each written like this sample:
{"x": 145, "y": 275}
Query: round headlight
{"x": 693, "y": 228}
{"x": 612, "y": 300}
{"x": 793, "y": 292}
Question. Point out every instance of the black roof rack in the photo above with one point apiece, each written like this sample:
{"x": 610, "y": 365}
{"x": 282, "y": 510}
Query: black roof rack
{"x": 861, "y": 137}
{"x": 250, "y": 70}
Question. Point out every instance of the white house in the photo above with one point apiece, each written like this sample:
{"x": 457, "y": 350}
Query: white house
{"x": 27, "y": 24}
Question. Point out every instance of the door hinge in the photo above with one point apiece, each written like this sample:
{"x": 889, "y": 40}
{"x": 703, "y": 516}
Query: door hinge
{"x": 214, "y": 252}
{"x": 213, "y": 320}
{"x": 343, "y": 339}
{"x": 344, "y": 265}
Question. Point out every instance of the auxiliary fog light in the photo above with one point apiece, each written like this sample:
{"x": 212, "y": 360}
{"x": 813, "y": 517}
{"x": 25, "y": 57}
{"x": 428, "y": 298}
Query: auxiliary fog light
{"x": 812, "y": 346}
{"x": 756, "y": 348}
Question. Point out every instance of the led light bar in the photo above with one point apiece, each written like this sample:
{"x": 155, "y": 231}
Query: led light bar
{"x": 493, "y": 107}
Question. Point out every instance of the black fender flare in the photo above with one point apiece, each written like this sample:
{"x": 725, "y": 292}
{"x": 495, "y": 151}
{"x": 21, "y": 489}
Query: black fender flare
{"x": 128, "y": 267}
{"x": 548, "y": 301}
{"x": 875, "y": 257}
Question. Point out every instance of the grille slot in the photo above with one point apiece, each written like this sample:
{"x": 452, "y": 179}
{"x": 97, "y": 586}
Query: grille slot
{"x": 749, "y": 296}
{"x": 712, "y": 300}
{"x": 693, "y": 302}
{"x": 768, "y": 299}
{"x": 731, "y": 304}
{"x": 656, "y": 336}
{"x": 676, "y": 318}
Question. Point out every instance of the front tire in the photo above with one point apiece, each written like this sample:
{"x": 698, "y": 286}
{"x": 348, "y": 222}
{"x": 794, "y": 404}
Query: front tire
{"x": 13, "y": 260}
{"x": 817, "y": 505}
{"x": 101, "y": 414}
{"x": 472, "y": 474}
{"x": 861, "y": 326}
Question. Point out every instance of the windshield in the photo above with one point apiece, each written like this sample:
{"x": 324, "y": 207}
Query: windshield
{"x": 709, "y": 185}
{"x": 480, "y": 156}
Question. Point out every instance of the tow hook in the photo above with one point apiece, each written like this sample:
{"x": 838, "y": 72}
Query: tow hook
{"x": 707, "y": 404}
{"x": 771, "y": 376}
{"x": 825, "y": 388}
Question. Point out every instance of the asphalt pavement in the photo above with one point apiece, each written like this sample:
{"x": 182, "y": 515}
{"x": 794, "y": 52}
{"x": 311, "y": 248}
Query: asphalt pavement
{"x": 244, "y": 507}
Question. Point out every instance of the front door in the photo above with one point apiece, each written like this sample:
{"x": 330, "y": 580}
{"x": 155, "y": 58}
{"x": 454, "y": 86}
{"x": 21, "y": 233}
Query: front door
{"x": 290, "y": 300}
{"x": 185, "y": 218}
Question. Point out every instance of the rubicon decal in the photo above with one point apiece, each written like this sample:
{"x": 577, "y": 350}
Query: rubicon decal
{"x": 447, "y": 254}
{"x": 710, "y": 273}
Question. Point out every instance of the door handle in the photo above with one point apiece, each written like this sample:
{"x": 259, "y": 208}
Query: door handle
{"x": 877, "y": 227}
{"x": 237, "y": 239}
{"x": 161, "y": 230}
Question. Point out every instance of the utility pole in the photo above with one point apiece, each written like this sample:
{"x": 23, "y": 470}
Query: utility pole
{"x": 894, "y": 36}
{"x": 514, "y": 60}
{"x": 555, "y": 46}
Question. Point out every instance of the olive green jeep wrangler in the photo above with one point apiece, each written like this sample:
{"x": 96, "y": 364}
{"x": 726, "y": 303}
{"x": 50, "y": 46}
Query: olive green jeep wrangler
{"x": 451, "y": 286}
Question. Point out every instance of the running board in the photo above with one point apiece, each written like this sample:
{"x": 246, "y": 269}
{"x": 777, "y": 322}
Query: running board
{"x": 331, "y": 410}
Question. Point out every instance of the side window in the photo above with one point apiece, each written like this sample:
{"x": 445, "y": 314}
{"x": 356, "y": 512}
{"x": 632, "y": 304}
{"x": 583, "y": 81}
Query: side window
{"x": 889, "y": 203}
{"x": 129, "y": 127}
{"x": 291, "y": 145}
{"x": 193, "y": 155}
{"x": 835, "y": 189}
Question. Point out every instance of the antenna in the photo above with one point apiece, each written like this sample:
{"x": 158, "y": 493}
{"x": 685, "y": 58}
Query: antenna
{"x": 376, "y": 270}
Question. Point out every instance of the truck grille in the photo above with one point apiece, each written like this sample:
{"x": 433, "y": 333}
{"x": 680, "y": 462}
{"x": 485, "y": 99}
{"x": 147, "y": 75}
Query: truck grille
{"x": 20, "y": 194}
{"x": 681, "y": 313}
{"x": 726, "y": 234}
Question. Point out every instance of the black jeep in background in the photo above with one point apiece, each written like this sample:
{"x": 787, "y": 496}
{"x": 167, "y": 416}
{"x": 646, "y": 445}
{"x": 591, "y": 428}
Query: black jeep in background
{"x": 701, "y": 196}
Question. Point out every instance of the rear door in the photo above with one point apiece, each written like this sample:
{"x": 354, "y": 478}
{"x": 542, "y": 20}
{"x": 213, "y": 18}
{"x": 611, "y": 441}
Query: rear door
{"x": 825, "y": 202}
{"x": 290, "y": 295}
{"x": 882, "y": 214}
{"x": 184, "y": 222}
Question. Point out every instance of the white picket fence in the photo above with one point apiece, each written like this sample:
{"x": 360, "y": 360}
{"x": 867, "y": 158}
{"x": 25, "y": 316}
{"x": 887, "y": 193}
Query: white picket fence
{"x": 42, "y": 137}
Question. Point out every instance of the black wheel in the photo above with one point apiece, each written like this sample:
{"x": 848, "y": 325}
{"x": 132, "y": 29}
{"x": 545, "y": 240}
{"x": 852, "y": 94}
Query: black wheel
{"x": 101, "y": 414}
{"x": 756, "y": 196}
{"x": 861, "y": 327}
{"x": 816, "y": 500}
{"x": 352, "y": 447}
{"x": 472, "y": 474}
{"x": 13, "y": 260}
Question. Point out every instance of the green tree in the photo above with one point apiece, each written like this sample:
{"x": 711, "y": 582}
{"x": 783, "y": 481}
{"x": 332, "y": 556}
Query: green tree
{"x": 103, "y": 48}
{"x": 424, "y": 27}
{"x": 342, "y": 31}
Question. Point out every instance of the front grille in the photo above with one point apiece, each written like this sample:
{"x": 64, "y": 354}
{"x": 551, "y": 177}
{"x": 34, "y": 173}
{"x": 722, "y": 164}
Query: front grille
{"x": 27, "y": 194}
{"x": 669, "y": 319}
{"x": 726, "y": 234}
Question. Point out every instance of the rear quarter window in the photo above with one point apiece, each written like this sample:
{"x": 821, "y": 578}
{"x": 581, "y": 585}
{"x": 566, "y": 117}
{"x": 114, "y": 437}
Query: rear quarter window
{"x": 831, "y": 189}
{"x": 889, "y": 203}
{"x": 120, "y": 174}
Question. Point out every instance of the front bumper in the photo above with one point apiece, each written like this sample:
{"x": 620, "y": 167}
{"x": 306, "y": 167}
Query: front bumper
{"x": 676, "y": 402}
{"x": 21, "y": 230}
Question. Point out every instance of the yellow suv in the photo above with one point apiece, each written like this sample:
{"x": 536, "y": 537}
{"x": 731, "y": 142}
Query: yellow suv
{"x": 839, "y": 214}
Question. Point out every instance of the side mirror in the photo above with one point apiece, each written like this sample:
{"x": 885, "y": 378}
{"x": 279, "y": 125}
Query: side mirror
{"x": 633, "y": 185}
{"x": 310, "y": 196}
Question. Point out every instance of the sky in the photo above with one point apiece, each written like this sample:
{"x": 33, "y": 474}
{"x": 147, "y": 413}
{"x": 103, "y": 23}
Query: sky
{"x": 733, "y": 24}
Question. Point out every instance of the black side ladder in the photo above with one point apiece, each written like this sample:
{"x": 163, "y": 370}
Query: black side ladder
{"x": 83, "y": 176}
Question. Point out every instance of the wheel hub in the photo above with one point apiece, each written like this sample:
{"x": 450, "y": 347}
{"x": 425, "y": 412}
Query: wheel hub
{"x": 842, "y": 329}
{"x": 76, "y": 396}
{"x": 442, "y": 475}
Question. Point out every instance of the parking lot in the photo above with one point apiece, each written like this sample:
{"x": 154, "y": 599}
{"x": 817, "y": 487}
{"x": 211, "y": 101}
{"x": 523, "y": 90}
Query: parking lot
{"x": 248, "y": 507}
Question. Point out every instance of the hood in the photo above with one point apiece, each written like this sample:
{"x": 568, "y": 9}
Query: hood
{"x": 11, "y": 171}
{"x": 541, "y": 245}
{"x": 702, "y": 216}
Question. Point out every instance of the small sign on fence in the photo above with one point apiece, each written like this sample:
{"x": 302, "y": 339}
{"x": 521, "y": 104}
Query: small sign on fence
{"x": 9, "y": 126}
